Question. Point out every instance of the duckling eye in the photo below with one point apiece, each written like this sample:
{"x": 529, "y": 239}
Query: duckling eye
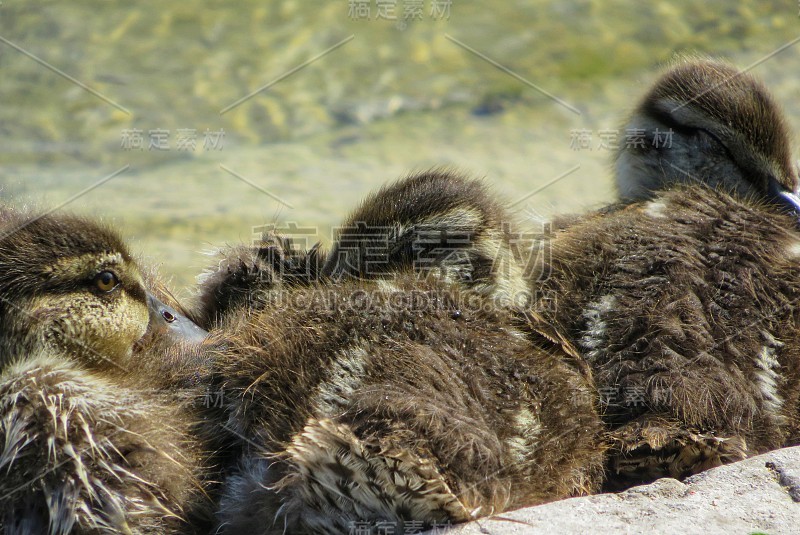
{"x": 105, "y": 281}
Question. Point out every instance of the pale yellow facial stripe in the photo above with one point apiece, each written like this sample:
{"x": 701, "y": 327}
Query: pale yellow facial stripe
{"x": 75, "y": 266}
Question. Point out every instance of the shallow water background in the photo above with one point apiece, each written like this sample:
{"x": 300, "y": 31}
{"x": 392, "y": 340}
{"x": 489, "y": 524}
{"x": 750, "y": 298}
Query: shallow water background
{"x": 342, "y": 102}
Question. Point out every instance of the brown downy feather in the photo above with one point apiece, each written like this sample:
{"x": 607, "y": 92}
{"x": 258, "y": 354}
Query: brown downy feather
{"x": 685, "y": 305}
{"x": 706, "y": 122}
{"x": 246, "y": 276}
{"x": 436, "y": 223}
{"x": 685, "y": 308}
{"x": 359, "y": 397}
{"x": 407, "y": 403}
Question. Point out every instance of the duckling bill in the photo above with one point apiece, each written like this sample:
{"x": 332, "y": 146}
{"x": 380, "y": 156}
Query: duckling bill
{"x": 173, "y": 324}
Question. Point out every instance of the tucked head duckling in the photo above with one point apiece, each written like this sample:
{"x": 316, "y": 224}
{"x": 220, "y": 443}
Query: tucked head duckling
{"x": 433, "y": 223}
{"x": 381, "y": 398}
{"x": 707, "y": 122}
{"x": 684, "y": 304}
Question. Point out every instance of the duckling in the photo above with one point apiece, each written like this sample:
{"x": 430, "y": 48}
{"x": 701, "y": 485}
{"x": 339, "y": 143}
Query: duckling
{"x": 662, "y": 357}
{"x": 356, "y": 402}
{"x": 432, "y": 223}
{"x": 376, "y": 405}
{"x": 684, "y": 304}
{"x": 89, "y": 442}
{"x": 704, "y": 121}
{"x": 435, "y": 223}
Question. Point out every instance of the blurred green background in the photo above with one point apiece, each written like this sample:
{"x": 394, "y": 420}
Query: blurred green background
{"x": 395, "y": 95}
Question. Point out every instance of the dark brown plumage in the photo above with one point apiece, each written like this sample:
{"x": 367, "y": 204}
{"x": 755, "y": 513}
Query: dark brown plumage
{"x": 435, "y": 223}
{"x": 330, "y": 394}
{"x": 685, "y": 305}
{"x": 682, "y": 306}
{"x": 246, "y": 277}
{"x": 393, "y": 399}
{"x": 91, "y": 440}
{"x": 707, "y": 122}
{"x": 685, "y": 309}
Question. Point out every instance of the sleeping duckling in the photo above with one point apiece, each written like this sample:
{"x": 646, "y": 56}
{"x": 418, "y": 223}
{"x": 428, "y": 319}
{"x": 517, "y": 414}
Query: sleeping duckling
{"x": 90, "y": 442}
{"x": 433, "y": 223}
{"x": 725, "y": 131}
{"x": 375, "y": 405}
{"x": 349, "y": 402}
{"x": 684, "y": 304}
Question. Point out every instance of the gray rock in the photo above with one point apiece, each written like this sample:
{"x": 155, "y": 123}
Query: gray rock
{"x": 757, "y": 495}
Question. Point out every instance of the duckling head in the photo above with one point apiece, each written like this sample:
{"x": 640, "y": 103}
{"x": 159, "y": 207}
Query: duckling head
{"x": 705, "y": 121}
{"x": 70, "y": 285}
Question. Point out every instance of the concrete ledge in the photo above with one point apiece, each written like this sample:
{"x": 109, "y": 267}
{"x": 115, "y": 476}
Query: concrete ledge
{"x": 757, "y": 495}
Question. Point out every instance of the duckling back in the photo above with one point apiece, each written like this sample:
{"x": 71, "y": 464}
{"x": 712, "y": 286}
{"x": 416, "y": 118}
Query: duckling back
{"x": 684, "y": 308}
{"x": 397, "y": 405}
